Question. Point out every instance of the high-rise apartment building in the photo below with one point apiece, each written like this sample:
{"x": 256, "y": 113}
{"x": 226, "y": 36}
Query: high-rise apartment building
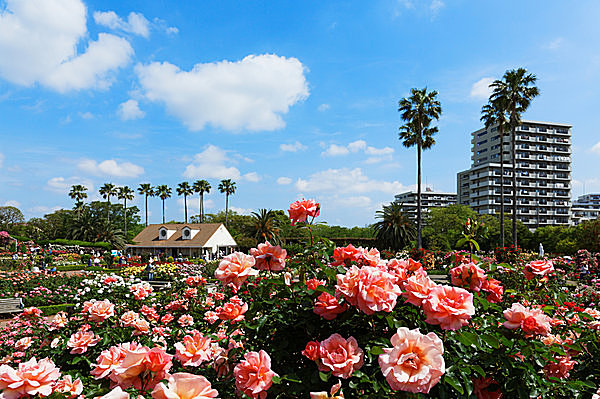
{"x": 429, "y": 199}
{"x": 586, "y": 207}
{"x": 543, "y": 157}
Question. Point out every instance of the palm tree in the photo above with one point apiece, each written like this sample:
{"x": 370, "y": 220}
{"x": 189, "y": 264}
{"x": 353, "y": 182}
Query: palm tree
{"x": 185, "y": 189}
{"x": 201, "y": 187}
{"x": 106, "y": 191}
{"x": 78, "y": 193}
{"x": 264, "y": 226}
{"x": 163, "y": 191}
{"x": 395, "y": 230}
{"x": 494, "y": 113}
{"x": 228, "y": 187}
{"x": 515, "y": 91}
{"x": 146, "y": 190}
{"x": 418, "y": 111}
{"x": 125, "y": 193}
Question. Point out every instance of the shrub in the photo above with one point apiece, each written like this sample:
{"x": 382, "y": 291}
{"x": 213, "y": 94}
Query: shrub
{"x": 108, "y": 259}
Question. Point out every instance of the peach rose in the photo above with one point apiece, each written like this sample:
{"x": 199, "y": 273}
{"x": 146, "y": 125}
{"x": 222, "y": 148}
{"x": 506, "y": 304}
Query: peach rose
{"x": 185, "y": 386}
{"x": 194, "y": 349}
{"x": 538, "y": 268}
{"x": 269, "y": 257}
{"x": 107, "y": 361}
{"x": 81, "y": 340}
{"x": 415, "y": 363}
{"x": 253, "y": 375}
{"x": 101, "y": 310}
{"x": 128, "y": 318}
{"x": 417, "y": 287}
{"x": 369, "y": 288}
{"x": 494, "y": 290}
{"x": 232, "y": 311}
{"x": 60, "y": 320}
{"x": 150, "y": 313}
{"x": 300, "y": 210}
{"x": 138, "y": 361}
{"x": 194, "y": 281}
{"x": 23, "y": 343}
{"x": 347, "y": 285}
{"x": 398, "y": 269}
{"x": 531, "y": 321}
{"x": 141, "y": 290}
{"x": 31, "y": 378}
{"x": 68, "y": 386}
{"x": 450, "y": 307}
{"x": 328, "y": 307}
{"x": 559, "y": 367}
{"x": 116, "y": 393}
{"x": 235, "y": 269}
{"x": 141, "y": 326}
{"x": 333, "y": 391}
{"x": 340, "y": 356}
{"x": 468, "y": 274}
{"x": 346, "y": 255}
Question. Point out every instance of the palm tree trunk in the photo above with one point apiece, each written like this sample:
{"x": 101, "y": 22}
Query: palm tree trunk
{"x": 185, "y": 205}
{"x": 125, "y": 206}
{"x": 163, "y": 211}
{"x": 514, "y": 178}
{"x": 108, "y": 209}
{"x": 146, "y": 210}
{"x": 419, "y": 243}
{"x": 202, "y": 207}
{"x": 501, "y": 185}
{"x": 226, "y": 207}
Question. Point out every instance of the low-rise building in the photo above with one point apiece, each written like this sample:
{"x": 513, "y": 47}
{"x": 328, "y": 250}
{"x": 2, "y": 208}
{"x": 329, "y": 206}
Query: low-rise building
{"x": 429, "y": 199}
{"x": 586, "y": 207}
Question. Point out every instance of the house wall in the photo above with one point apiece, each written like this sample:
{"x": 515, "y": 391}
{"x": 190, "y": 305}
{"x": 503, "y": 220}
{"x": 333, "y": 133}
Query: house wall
{"x": 221, "y": 238}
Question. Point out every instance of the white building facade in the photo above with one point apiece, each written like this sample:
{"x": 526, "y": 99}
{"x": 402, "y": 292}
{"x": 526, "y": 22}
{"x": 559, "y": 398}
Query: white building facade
{"x": 586, "y": 207}
{"x": 429, "y": 199}
{"x": 543, "y": 163}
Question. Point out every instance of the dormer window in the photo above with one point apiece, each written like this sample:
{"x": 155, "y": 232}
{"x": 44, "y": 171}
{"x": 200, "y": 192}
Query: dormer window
{"x": 186, "y": 234}
{"x": 164, "y": 233}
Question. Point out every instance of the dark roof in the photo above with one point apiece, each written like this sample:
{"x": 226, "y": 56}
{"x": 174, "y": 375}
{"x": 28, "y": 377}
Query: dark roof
{"x": 149, "y": 236}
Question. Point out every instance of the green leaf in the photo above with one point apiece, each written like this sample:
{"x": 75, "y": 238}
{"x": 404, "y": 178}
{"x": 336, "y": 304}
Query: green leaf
{"x": 453, "y": 382}
{"x": 276, "y": 379}
{"x": 376, "y": 350}
{"x": 490, "y": 340}
{"x": 324, "y": 376}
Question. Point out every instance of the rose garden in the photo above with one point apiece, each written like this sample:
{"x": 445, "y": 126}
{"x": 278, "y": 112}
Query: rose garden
{"x": 323, "y": 322}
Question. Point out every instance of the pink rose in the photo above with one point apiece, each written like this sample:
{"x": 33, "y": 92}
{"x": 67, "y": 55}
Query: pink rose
{"x": 68, "y": 386}
{"x": 101, "y": 310}
{"x": 415, "y": 363}
{"x": 138, "y": 361}
{"x": 253, "y": 375}
{"x": 300, "y": 210}
{"x": 340, "y": 356}
{"x": 185, "y": 386}
{"x": 235, "y": 269}
{"x": 81, "y": 340}
{"x": 369, "y": 288}
{"x": 494, "y": 290}
{"x": 417, "y": 287}
{"x": 531, "y": 321}
{"x": 186, "y": 320}
{"x": 468, "y": 274}
{"x": 31, "y": 378}
{"x": 538, "y": 268}
{"x": 232, "y": 311}
{"x": 107, "y": 361}
{"x": 194, "y": 350}
{"x": 128, "y": 318}
{"x": 559, "y": 367}
{"x": 328, "y": 307}
{"x": 116, "y": 393}
{"x": 311, "y": 350}
{"x": 450, "y": 307}
{"x": 269, "y": 257}
{"x": 345, "y": 255}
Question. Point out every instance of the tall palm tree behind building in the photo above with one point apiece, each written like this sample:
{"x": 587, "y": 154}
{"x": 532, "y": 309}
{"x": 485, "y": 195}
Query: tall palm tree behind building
{"x": 185, "y": 189}
{"x": 201, "y": 187}
{"x": 125, "y": 193}
{"x": 163, "y": 192}
{"x": 146, "y": 190}
{"x": 78, "y": 193}
{"x": 106, "y": 191}
{"x": 418, "y": 111}
{"x": 227, "y": 187}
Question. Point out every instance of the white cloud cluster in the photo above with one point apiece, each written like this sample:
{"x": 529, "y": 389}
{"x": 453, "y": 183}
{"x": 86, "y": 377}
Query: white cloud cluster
{"x": 129, "y": 110}
{"x": 14, "y": 203}
{"x": 110, "y": 168}
{"x": 215, "y": 163}
{"x": 481, "y": 89}
{"x": 346, "y": 181}
{"x": 136, "y": 23}
{"x": 249, "y": 94}
{"x": 284, "y": 180}
{"x": 376, "y": 154}
{"x": 595, "y": 148}
{"x": 38, "y": 44}
{"x": 295, "y": 147}
{"x": 63, "y": 185}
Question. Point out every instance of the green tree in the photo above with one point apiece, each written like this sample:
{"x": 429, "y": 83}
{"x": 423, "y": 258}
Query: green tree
{"x": 184, "y": 189}
{"x": 146, "y": 190}
{"x": 163, "y": 192}
{"x": 495, "y": 113}
{"x": 444, "y": 226}
{"x": 125, "y": 193}
{"x": 418, "y": 111}
{"x": 106, "y": 191}
{"x": 9, "y": 216}
{"x": 588, "y": 235}
{"x": 394, "y": 230}
{"x": 515, "y": 91}
{"x": 201, "y": 187}
{"x": 227, "y": 187}
{"x": 78, "y": 193}
{"x": 264, "y": 226}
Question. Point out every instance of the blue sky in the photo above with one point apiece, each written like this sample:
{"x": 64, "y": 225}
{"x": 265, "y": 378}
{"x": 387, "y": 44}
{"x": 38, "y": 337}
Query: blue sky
{"x": 289, "y": 99}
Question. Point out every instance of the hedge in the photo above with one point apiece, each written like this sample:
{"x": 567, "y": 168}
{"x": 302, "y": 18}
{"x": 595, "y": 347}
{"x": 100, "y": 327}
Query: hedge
{"x": 61, "y": 241}
{"x": 54, "y": 309}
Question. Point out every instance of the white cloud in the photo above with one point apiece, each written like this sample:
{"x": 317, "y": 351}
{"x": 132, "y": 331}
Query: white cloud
{"x": 86, "y": 115}
{"x": 14, "y": 203}
{"x": 192, "y": 206}
{"x": 324, "y": 107}
{"x": 63, "y": 186}
{"x": 436, "y": 6}
{"x": 39, "y": 41}
{"x": 360, "y": 201}
{"x": 136, "y": 22}
{"x": 171, "y": 30}
{"x": 346, "y": 181}
{"x": 241, "y": 211}
{"x": 481, "y": 89}
{"x": 377, "y": 154}
{"x": 1, "y": 159}
{"x": 110, "y": 167}
{"x": 249, "y": 94}
{"x": 595, "y": 148}
{"x": 215, "y": 163}
{"x": 43, "y": 210}
{"x": 555, "y": 44}
{"x": 295, "y": 147}
{"x": 284, "y": 180}
{"x": 130, "y": 110}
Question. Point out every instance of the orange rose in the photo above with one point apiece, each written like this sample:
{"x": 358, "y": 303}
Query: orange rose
{"x": 417, "y": 287}
{"x": 194, "y": 350}
{"x": 101, "y": 310}
{"x": 340, "y": 356}
{"x": 81, "y": 340}
{"x": 538, "y": 268}
{"x": 235, "y": 269}
{"x": 184, "y": 386}
{"x": 269, "y": 257}
{"x": 232, "y": 311}
{"x": 253, "y": 375}
{"x": 450, "y": 307}
{"x": 328, "y": 307}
